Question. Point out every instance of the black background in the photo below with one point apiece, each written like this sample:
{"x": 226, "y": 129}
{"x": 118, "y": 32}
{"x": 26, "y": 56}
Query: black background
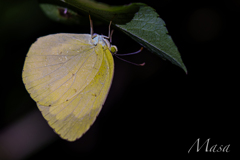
{"x": 153, "y": 111}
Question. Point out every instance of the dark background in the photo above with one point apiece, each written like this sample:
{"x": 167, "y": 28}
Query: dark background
{"x": 153, "y": 111}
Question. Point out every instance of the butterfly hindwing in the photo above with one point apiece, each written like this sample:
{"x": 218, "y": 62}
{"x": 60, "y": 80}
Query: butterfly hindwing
{"x": 69, "y": 78}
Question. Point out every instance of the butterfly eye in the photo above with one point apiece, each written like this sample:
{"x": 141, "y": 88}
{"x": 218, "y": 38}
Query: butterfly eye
{"x": 113, "y": 49}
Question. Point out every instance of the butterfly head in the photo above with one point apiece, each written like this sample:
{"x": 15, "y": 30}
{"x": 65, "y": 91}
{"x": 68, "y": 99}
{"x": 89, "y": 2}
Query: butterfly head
{"x": 113, "y": 49}
{"x": 104, "y": 41}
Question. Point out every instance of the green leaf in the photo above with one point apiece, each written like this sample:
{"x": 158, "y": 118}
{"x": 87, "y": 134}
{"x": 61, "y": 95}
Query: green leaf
{"x": 149, "y": 30}
{"x": 137, "y": 20}
{"x": 63, "y": 15}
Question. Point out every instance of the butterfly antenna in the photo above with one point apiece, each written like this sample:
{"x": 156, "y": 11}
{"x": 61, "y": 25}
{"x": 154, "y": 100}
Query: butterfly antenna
{"x": 136, "y": 64}
{"x": 127, "y": 54}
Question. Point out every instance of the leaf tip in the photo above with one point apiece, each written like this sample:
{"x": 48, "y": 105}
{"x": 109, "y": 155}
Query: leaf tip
{"x": 185, "y": 69}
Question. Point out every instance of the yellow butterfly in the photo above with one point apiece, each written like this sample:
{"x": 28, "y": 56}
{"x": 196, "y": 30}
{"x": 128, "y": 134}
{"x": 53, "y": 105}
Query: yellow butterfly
{"x": 69, "y": 76}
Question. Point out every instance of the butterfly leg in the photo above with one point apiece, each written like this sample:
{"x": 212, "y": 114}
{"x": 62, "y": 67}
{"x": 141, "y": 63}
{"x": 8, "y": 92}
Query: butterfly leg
{"x": 111, "y": 36}
{"x": 109, "y": 28}
{"x": 91, "y": 27}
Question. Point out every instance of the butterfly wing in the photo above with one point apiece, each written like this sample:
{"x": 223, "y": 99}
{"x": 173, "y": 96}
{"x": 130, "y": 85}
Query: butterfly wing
{"x": 69, "y": 78}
